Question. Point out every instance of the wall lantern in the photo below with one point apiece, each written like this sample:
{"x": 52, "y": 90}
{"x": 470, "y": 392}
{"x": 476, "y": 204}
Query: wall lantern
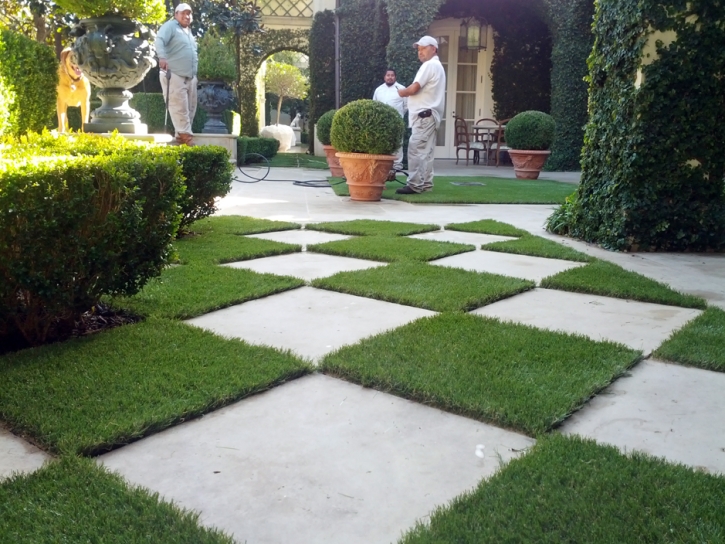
{"x": 474, "y": 34}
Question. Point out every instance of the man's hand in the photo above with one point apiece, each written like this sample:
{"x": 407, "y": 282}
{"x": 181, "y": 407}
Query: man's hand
{"x": 410, "y": 90}
{"x": 163, "y": 64}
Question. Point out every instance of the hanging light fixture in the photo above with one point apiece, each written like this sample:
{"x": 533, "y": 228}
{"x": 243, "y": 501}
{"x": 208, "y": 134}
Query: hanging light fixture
{"x": 474, "y": 34}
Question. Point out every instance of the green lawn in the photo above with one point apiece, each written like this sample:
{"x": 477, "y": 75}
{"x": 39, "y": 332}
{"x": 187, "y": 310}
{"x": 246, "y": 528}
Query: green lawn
{"x": 299, "y": 160}
{"x": 370, "y": 227}
{"x": 183, "y": 292}
{"x": 494, "y": 191}
{"x": 391, "y": 249}
{"x": 436, "y": 288}
{"x": 570, "y": 490}
{"x": 512, "y": 375}
{"x": 487, "y": 226}
{"x": 537, "y": 246}
{"x": 92, "y": 394}
{"x": 74, "y": 500}
{"x": 609, "y": 280}
{"x": 699, "y": 343}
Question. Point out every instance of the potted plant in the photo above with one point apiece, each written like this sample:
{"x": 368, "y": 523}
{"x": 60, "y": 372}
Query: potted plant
{"x": 112, "y": 49}
{"x": 529, "y": 136}
{"x": 366, "y": 133}
{"x": 216, "y": 70}
{"x": 323, "y": 127}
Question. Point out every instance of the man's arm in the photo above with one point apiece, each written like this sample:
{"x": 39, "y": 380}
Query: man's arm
{"x": 162, "y": 38}
{"x": 410, "y": 90}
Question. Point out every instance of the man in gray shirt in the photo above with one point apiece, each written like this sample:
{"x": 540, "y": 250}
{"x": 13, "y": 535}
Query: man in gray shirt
{"x": 178, "y": 61}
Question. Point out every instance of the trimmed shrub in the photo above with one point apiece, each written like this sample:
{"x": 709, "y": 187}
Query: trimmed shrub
{"x": 152, "y": 108}
{"x": 531, "y": 130}
{"x": 29, "y": 69}
{"x": 367, "y": 126}
{"x": 324, "y": 125}
{"x": 7, "y": 97}
{"x": 147, "y": 11}
{"x": 246, "y": 145}
{"x": 207, "y": 175}
{"x": 322, "y": 65}
{"x": 74, "y": 229}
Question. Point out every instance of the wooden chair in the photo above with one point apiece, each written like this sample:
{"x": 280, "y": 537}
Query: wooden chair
{"x": 500, "y": 144}
{"x": 486, "y": 132}
{"x": 465, "y": 141}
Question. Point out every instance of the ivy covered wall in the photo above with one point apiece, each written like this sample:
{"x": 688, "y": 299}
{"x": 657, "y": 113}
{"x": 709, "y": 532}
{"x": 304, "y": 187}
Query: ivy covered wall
{"x": 257, "y": 47}
{"x": 653, "y": 163}
{"x": 570, "y": 22}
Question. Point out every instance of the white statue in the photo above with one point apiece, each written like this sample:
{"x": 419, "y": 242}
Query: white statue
{"x": 296, "y": 121}
{"x": 282, "y": 133}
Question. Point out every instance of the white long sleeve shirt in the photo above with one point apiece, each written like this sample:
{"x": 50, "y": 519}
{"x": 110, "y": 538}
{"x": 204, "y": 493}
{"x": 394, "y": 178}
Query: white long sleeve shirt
{"x": 389, "y": 95}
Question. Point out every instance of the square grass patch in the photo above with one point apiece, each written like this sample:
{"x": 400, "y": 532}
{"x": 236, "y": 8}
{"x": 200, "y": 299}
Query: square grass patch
{"x": 700, "y": 343}
{"x": 511, "y": 375}
{"x": 186, "y": 291}
{"x": 391, "y": 248}
{"x": 215, "y": 247}
{"x": 609, "y": 280}
{"x": 436, "y": 288}
{"x": 370, "y": 227}
{"x": 494, "y": 191}
{"x": 240, "y": 224}
{"x": 488, "y": 226}
{"x": 574, "y": 490}
{"x": 537, "y": 246}
{"x": 75, "y": 500}
{"x": 92, "y": 394}
{"x": 298, "y": 160}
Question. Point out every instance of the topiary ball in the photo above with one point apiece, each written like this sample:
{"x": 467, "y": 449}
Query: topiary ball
{"x": 324, "y": 124}
{"x": 530, "y": 130}
{"x": 367, "y": 126}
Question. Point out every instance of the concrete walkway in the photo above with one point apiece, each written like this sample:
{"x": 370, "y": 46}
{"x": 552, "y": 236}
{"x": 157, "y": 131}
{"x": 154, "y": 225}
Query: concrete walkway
{"x": 322, "y": 460}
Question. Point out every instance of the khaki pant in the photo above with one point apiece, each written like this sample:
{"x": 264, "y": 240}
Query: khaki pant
{"x": 421, "y": 148}
{"x": 182, "y": 101}
{"x": 398, "y": 163}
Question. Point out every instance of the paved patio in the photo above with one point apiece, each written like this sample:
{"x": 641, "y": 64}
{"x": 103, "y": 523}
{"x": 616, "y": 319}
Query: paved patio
{"x": 322, "y": 460}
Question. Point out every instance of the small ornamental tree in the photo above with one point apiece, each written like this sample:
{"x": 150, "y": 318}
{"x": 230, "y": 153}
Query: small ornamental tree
{"x": 286, "y": 81}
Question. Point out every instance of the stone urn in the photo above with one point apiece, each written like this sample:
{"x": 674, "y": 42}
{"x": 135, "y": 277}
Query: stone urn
{"x": 115, "y": 54}
{"x": 528, "y": 163}
{"x": 366, "y": 174}
{"x": 214, "y": 97}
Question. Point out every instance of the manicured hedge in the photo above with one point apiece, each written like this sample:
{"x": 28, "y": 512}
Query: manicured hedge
{"x": 152, "y": 108}
{"x": 267, "y": 147}
{"x": 322, "y": 65}
{"x": 31, "y": 69}
{"x": 653, "y": 165}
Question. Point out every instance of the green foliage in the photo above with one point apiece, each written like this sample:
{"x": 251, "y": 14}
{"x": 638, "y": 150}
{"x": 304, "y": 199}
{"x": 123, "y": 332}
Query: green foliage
{"x": 286, "y": 81}
{"x": 322, "y": 64}
{"x": 75, "y": 229}
{"x": 532, "y": 130}
{"x": 367, "y": 126}
{"x": 571, "y": 26}
{"x": 152, "y": 108}
{"x": 364, "y": 33}
{"x": 7, "y": 97}
{"x": 146, "y": 11}
{"x": 29, "y": 71}
{"x": 324, "y": 126}
{"x": 246, "y": 145}
{"x": 652, "y": 166}
{"x": 217, "y": 60}
{"x": 207, "y": 175}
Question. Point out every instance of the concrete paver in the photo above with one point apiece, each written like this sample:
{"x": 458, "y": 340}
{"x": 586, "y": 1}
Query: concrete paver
{"x": 317, "y": 460}
{"x": 18, "y": 455}
{"x": 305, "y": 265}
{"x": 508, "y": 264}
{"x": 666, "y": 410}
{"x": 310, "y": 322}
{"x": 302, "y": 237}
{"x": 639, "y": 325}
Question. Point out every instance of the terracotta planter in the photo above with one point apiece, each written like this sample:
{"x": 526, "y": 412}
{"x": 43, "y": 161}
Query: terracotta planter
{"x": 366, "y": 174}
{"x": 528, "y": 163}
{"x": 332, "y": 161}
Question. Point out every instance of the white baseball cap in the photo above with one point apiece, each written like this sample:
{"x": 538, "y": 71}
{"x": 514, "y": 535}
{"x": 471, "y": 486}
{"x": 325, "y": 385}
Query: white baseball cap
{"x": 182, "y": 7}
{"x": 427, "y": 40}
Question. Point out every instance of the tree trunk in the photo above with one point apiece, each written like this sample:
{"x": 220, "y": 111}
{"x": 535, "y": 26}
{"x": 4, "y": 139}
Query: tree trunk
{"x": 279, "y": 108}
{"x": 41, "y": 30}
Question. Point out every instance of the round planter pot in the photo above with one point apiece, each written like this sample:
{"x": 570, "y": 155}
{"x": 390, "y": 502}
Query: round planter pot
{"x": 214, "y": 97}
{"x": 366, "y": 174}
{"x": 528, "y": 163}
{"x": 115, "y": 54}
{"x": 332, "y": 161}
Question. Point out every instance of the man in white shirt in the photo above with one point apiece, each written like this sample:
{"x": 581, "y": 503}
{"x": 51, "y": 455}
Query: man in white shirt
{"x": 387, "y": 93}
{"x": 426, "y": 100}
